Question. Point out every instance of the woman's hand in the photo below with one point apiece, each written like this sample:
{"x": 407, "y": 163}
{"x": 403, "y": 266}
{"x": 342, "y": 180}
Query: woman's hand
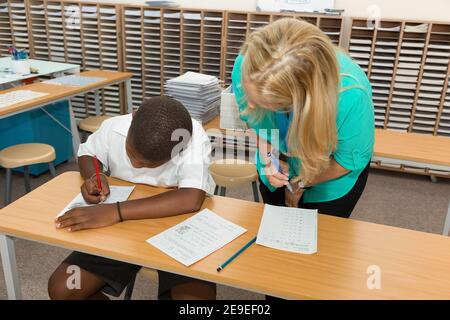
{"x": 292, "y": 198}
{"x": 278, "y": 177}
{"x": 88, "y": 217}
{"x": 90, "y": 191}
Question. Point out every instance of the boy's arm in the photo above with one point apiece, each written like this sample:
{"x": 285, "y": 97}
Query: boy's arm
{"x": 96, "y": 145}
{"x": 166, "y": 204}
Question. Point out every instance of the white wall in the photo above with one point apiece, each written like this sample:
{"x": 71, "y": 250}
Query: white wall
{"x": 400, "y": 9}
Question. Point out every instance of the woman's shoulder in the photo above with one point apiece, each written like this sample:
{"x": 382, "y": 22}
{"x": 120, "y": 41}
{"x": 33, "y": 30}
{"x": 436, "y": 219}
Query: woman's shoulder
{"x": 354, "y": 85}
{"x": 351, "y": 74}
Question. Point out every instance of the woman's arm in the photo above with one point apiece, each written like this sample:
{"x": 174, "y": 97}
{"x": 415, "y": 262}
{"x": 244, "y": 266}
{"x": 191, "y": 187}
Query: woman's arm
{"x": 334, "y": 171}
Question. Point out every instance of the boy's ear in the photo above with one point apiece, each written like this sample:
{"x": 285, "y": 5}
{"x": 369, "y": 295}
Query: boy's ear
{"x": 133, "y": 113}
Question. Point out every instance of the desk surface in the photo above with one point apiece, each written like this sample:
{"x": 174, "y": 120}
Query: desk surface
{"x": 414, "y": 265}
{"x": 399, "y": 145}
{"x": 44, "y": 67}
{"x": 57, "y": 92}
{"x": 412, "y": 147}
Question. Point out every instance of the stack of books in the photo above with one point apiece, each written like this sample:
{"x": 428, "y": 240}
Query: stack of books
{"x": 199, "y": 93}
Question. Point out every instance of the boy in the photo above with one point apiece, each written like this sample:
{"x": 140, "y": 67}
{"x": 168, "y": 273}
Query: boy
{"x": 159, "y": 145}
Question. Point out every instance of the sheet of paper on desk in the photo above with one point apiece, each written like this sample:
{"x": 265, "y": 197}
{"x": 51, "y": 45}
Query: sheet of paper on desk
{"x": 118, "y": 193}
{"x": 196, "y": 237}
{"x": 289, "y": 229}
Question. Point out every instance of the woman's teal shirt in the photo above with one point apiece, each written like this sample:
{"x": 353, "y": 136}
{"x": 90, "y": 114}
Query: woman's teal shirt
{"x": 354, "y": 123}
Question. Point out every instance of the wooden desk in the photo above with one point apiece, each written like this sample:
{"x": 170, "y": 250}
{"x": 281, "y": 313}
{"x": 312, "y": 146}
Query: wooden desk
{"x": 414, "y": 265}
{"x": 56, "y": 69}
{"x": 413, "y": 148}
{"x": 61, "y": 92}
{"x": 213, "y": 124}
{"x": 416, "y": 150}
{"x": 400, "y": 148}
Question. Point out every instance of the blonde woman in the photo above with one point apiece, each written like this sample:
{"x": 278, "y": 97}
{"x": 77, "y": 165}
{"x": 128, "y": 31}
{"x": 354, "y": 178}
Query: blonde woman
{"x": 311, "y": 106}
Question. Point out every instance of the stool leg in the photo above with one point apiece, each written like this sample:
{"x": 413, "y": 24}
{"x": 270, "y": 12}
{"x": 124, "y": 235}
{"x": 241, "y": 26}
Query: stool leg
{"x": 446, "y": 231}
{"x": 51, "y": 166}
{"x": 26, "y": 176}
{"x": 255, "y": 191}
{"x": 216, "y": 190}
{"x": 222, "y": 191}
{"x": 129, "y": 290}
{"x": 8, "y": 186}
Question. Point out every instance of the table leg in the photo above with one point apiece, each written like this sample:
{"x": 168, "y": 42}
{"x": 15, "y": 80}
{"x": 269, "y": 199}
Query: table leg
{"x": 9, "y": 263}
{"x": 128, "y": 95}
{"x": 74, "y": 130}
{"x": 446, "y": 231}
{"x": 97, "y": 102}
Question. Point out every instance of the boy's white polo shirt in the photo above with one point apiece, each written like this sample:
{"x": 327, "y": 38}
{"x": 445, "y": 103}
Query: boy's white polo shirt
{"x": 188, "y": 170}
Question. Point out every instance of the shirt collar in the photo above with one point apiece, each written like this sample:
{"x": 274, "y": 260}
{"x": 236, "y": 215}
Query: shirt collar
{"x": 121, "y": 127}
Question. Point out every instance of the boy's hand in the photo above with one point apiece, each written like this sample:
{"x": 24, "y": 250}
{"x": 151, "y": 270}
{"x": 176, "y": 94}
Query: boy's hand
{"x": 88, "y": 217}
{"x": 90, "y": 191}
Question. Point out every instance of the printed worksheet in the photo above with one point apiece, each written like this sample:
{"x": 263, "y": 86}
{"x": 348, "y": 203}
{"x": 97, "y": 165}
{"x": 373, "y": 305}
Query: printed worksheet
{"x": 289, "y": 229}
{"x": 118, "y": 194}
{"x": 196, "y": 237}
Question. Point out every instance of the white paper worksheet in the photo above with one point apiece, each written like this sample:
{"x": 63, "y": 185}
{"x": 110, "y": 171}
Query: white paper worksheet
{"x": 117, "y": 194}
{"x": 196, "y": 237}
{"x": 289, "y": 229}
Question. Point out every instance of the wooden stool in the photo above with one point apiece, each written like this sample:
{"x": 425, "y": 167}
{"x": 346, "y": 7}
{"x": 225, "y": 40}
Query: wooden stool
{"x": 230, "y": 173}
{"x": 91, "y": 124}
{"x": 147, "y": 273}
{"x": 24, "y": 155}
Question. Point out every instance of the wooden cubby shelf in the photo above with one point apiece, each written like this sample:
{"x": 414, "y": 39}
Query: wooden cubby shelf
{"x": 408, "y": 66}
{"x": 407, "y": 62}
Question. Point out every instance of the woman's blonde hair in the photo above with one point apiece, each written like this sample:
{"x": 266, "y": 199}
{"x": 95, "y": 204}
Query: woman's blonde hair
{"x": 293, "y": 63}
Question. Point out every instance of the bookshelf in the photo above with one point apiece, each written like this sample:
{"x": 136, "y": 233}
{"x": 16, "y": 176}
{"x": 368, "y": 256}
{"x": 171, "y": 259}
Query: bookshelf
{"x": 82, "y": 33}
{"x": 5, "y": 28}
{"x": 154, "y": 44}
{"x": 408, "y": 64}
{"x": 236, "y": 28}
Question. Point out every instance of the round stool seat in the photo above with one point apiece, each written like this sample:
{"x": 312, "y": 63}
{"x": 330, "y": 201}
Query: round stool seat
{"x": 232, "y": 172}
{"x": 91, "y": 124}
{"x": 26, "y": 154}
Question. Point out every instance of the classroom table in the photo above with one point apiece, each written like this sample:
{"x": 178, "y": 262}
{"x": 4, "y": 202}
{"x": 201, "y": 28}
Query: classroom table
{"x": 51, "y": 68}
{"x": 415, "y": 150}
{"x": 394, "y": 147}
{"x": 412, "y": 264}
{"x": 58, "y": 92}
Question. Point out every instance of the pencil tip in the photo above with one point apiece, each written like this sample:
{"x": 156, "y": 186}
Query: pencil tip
{"x": 219, "y": 269}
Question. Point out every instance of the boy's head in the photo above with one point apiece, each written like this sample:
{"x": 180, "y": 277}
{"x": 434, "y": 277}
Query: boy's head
{"x": 160, "y": 128}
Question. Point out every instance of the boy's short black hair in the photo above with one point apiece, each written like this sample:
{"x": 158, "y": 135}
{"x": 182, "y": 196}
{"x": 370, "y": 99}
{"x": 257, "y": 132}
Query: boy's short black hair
{"x": 150, "y": 133}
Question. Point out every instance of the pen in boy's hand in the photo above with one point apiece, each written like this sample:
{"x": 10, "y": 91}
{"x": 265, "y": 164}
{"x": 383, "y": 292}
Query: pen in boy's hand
{"x": 99, "y": 181}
